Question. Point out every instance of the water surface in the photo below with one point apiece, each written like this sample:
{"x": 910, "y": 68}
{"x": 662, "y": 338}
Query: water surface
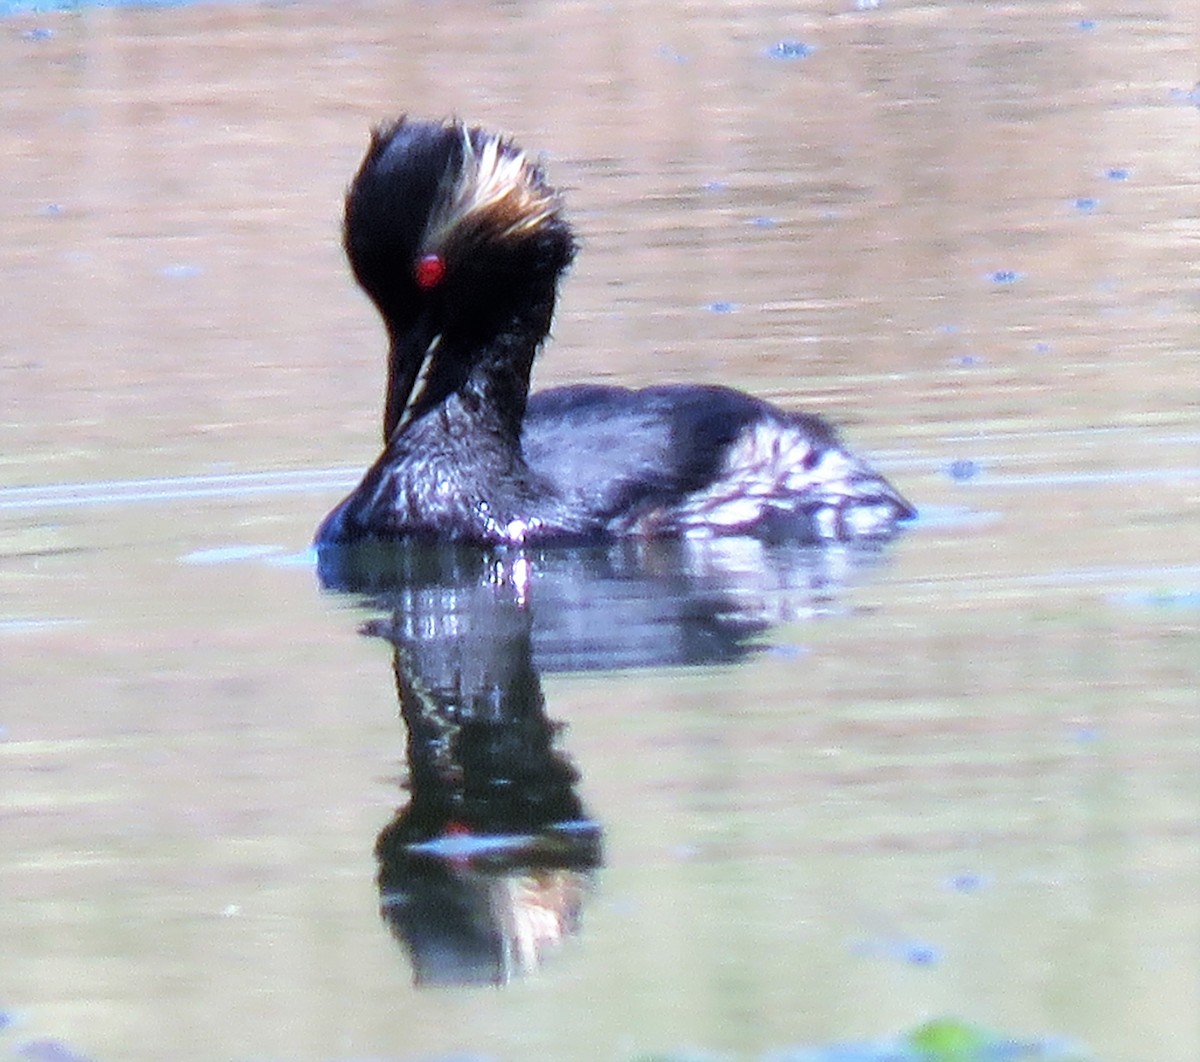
{"x": 958, "y": 777}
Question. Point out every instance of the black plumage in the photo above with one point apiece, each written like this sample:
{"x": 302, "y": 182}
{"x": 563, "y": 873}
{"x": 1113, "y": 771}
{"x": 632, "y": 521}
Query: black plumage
{"x": 460, "y": 242}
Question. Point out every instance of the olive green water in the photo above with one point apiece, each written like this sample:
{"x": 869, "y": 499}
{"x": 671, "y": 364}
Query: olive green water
{"x": 964, "y": 231}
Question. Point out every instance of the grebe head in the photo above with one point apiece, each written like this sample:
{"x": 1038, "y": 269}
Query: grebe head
{"x": 459, "y": 241}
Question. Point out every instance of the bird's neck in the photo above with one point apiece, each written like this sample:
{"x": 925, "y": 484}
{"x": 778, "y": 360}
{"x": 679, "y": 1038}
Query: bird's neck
{"x": 487, "y": 372}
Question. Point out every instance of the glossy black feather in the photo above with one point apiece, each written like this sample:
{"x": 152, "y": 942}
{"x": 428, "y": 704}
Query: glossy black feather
{"x": 465, "y": 459}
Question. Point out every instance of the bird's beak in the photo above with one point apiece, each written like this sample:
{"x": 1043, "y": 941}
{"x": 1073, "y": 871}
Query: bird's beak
{"x": 411, "y": 352}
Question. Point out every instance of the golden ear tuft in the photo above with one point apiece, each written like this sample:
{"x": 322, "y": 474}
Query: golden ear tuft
{"x": 498, "y": 194}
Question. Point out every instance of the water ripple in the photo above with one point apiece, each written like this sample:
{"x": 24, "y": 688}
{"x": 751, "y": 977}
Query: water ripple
{"x": 235, "y": 485}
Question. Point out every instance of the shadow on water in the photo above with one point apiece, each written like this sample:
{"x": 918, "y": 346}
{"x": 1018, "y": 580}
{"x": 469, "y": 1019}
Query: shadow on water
{"x": 486, "y": 868}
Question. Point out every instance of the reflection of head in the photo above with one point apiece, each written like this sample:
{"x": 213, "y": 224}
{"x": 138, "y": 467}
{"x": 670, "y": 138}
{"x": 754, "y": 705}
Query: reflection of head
{"x": 444, "y": 923}
{"x": 483, "y": 920}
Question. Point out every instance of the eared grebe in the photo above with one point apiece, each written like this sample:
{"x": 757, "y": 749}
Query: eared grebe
{"x": 457, "y": 238}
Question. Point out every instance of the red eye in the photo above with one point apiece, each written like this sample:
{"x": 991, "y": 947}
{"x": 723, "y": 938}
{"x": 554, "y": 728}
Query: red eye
{"x": 429, "y": 272}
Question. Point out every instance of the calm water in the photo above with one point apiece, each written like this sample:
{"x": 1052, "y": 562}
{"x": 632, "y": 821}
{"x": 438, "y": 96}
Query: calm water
{"x": 832, "y": 795}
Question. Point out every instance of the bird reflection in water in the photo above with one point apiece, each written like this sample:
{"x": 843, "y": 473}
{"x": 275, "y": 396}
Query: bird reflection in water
{"x": 486, "y": 869}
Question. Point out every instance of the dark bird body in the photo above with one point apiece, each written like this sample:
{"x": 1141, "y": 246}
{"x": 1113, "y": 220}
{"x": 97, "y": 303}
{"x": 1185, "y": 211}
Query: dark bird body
{"x": 460, "y": 243}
